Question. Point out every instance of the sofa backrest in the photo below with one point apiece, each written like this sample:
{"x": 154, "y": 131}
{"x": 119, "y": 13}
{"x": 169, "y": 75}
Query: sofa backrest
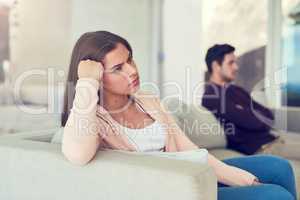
{"x": 199, "y": 124}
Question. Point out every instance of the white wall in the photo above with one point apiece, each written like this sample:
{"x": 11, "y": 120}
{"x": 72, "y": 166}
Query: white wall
{"x": 39, "y": 35}
{"x": 131, "y": 19}
{"x": 183, "y": 64}
{"x": 275, "y": 72}
{"x": 47, "y": 30}
{"x": 43, "y": 33}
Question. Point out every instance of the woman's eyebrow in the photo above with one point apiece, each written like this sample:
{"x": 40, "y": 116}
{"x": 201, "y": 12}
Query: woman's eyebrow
{"x": 120, "y": 64}
{"x": 117, "y": 65}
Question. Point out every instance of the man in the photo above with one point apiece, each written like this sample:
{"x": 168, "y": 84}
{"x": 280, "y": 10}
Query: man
{"x": 247, "y": 124}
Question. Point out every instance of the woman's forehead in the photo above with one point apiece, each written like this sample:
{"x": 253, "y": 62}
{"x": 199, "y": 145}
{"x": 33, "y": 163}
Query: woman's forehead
{"x": 116, "y": 56}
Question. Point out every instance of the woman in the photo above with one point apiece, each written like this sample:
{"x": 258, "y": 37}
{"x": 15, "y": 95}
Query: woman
{"x": 104, "y": 108}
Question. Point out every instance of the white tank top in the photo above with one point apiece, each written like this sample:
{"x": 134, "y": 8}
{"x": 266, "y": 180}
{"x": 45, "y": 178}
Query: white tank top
{"x": 149, "y": 138}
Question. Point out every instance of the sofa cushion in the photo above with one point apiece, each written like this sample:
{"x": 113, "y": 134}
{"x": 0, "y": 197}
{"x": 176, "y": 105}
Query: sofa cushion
{"x": 199, "y": 124}
{"x": 24, "y": 118}
{"x": 225, "y": 153}
{"x": 38, "y": 94}
{"x": 57, "y": 136}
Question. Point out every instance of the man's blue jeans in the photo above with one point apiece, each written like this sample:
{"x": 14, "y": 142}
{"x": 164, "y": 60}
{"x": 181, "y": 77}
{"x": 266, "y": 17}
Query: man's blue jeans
{"x": 274, "y": 172}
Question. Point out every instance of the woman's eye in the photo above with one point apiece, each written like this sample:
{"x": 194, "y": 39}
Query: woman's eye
{"x": 118, "y": 68}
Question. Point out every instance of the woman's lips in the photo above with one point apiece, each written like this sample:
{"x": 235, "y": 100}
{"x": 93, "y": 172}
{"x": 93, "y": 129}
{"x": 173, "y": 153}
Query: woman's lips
{"x": 135, "y": 82}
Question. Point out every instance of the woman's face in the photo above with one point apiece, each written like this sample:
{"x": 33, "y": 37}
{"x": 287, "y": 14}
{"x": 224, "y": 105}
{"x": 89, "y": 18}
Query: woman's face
{"x": 120, "y": 72}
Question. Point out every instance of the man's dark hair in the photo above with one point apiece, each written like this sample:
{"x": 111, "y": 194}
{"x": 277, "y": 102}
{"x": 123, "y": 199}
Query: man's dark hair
{"x": 217, "y": 53}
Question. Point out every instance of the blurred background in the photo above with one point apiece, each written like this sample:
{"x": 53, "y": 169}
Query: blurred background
{"x": 169, "y": 39}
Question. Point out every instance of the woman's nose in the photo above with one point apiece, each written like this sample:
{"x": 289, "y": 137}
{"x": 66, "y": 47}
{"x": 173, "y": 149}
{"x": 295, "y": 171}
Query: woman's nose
{"x": 130, "y": 70}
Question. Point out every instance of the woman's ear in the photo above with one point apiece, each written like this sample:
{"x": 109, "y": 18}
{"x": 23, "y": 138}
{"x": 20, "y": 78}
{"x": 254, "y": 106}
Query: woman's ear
{"x": 100, "y": 84}
{"x": 100, "y": 96}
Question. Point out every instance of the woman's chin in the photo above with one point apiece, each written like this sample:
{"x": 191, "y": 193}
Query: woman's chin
{"x": 134, "y": 89}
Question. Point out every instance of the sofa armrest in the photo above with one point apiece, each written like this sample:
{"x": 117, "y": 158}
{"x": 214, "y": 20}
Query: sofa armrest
{"x": 287, "y": 119}
{"x": 38, "y": 170}
{"x": 37, "y": 135}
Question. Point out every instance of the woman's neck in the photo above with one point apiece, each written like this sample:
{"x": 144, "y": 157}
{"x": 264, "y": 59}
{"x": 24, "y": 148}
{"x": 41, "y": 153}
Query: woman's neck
{"x": 115, "y": 102}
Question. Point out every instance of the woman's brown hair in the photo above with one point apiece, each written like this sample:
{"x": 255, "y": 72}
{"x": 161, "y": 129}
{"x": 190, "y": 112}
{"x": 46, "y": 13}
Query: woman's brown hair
{"x": 93, "y": 46}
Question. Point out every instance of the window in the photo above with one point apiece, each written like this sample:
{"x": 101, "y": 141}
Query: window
{"x": 291, "y": 52}
{"x": 242, "y": 24}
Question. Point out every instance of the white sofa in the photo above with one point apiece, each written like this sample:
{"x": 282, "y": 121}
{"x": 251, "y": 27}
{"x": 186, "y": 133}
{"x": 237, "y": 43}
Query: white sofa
{"x": 33, "y": 168}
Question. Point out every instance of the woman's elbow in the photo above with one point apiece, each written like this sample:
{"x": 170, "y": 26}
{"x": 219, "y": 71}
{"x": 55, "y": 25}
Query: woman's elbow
{"x": 76, "y": 157}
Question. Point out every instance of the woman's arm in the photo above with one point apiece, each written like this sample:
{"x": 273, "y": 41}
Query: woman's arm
{"x": 230, "y": 175}
{"x": 226, "y": 174}
{"x": 81, "y": 133}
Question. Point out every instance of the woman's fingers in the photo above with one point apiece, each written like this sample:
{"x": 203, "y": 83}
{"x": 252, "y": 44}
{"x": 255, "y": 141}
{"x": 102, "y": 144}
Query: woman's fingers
{"x": 256, "y": 181}
{"x": 90, "y": 69}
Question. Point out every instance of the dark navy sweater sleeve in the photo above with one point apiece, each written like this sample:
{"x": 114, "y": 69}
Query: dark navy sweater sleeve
{"x": 254, "y": 105}
{"x": 231, "y": 107}
{"x": 234, "y": 108}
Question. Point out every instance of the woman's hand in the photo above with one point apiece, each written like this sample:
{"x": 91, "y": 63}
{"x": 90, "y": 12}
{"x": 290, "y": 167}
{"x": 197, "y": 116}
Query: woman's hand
{"x": 231, "y": 175}
{"x": 244, "y": 178}
{"x": 90, "y": 69}
{"x": 256, "y": 182}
